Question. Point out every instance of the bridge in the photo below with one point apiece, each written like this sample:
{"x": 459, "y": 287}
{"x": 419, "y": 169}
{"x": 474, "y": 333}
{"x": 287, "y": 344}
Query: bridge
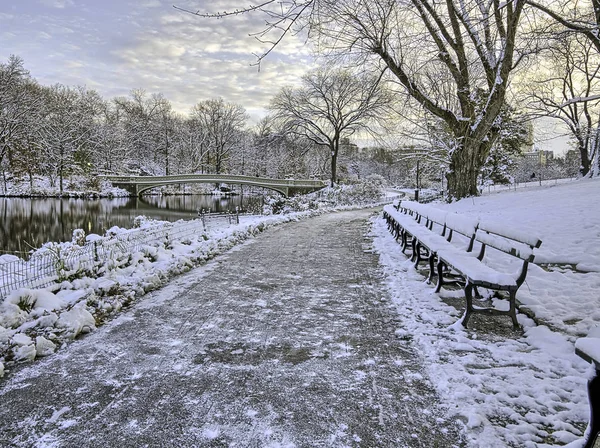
{"x": 287, "y": 187}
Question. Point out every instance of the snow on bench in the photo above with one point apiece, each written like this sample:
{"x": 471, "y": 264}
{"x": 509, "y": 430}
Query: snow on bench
{"x": 432, "y": 236}
{"x": 589, "y": 349}
{"x": 477, "y": 274}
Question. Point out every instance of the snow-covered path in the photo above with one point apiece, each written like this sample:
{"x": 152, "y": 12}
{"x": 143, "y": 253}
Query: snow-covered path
{"x": 288, "y": 340}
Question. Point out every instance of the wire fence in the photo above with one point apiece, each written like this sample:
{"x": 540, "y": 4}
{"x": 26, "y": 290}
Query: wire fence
{"x": 54, "y": 263}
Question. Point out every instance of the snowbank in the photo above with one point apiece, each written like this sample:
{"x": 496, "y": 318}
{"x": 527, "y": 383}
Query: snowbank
{"x": 511, "y": 389}
{"x": 562, "y": 287}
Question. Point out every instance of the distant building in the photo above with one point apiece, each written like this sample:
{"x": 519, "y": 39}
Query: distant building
{"x": 539, "y": 157}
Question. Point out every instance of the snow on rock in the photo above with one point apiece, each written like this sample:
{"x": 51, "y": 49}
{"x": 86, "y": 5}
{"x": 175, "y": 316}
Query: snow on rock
{"x": 11, "y": 316}
{"x": 77, "y": 320}
{"x": 43, "y": 346}
{"x": 25, "y": 353}
{"x": 1, "y": 369}
{"x": 46, "y": 300}
{"x": 21, "y": 339}
{"x": 5, "y": 334}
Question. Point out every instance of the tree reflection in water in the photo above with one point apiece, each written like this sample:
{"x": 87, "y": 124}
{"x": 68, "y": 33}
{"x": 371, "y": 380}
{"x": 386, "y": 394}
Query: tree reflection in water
{"x": 29, "y": 222}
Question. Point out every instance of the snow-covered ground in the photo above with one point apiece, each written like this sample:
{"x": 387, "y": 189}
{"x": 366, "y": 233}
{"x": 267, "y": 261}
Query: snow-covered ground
{"x": 512, "y": 389}
{"x": 74, "y": 186}
{"x": 509, "y": 389}
{"x": 34, "y": 322}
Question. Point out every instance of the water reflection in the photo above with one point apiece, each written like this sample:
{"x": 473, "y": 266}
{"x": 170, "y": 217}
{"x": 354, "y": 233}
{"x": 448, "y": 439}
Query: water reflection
{"x": 27, "y": 223}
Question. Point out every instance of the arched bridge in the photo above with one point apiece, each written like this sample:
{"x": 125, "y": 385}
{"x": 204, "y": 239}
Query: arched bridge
{"x": 288, "y": 187}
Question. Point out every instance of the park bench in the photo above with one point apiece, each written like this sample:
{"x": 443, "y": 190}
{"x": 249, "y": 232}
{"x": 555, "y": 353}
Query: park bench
{"x": 453, "y": 240}
{"x": 402, "y": 221}
{"x": 429, "y": 230}
{"x": 589, "y": 349}
{"x": 518, "y": 245}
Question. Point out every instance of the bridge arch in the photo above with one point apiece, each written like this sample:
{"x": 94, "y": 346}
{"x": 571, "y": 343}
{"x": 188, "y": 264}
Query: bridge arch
{"x": 138, "y": 184}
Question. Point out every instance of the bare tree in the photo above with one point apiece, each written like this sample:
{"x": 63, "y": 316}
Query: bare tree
{"x": 68, "y": 129}
{"x": 222, "y": 124}
{"x": 330, "y": 105}
{"x": 570, "y": 93}
{"x": 582, "y": 18}
{"x": 19, "y": 100}
{"x": 146, "y": 128}
{"x": 475, "y": 42}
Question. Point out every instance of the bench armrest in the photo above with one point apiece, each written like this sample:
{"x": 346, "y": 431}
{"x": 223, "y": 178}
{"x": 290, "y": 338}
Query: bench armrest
{"x": 589, "y": 349}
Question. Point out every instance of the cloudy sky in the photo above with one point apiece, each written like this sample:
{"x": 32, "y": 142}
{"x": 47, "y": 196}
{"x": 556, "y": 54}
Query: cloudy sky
{"x": 114, "y": 46}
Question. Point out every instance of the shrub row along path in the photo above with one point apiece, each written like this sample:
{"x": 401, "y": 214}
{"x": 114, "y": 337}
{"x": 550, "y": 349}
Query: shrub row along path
{"x": 288, "y": 340}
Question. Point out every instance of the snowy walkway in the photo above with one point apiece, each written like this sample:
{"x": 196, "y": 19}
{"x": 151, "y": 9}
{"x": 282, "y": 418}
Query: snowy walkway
{"x": 286, "y": 341}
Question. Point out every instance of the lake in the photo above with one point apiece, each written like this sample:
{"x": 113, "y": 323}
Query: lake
{"x": 30, "y": 222}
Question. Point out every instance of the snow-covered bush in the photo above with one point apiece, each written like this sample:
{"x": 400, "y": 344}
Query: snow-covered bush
{"x": 78, "y": 237}
{"x": 367, "y": 191}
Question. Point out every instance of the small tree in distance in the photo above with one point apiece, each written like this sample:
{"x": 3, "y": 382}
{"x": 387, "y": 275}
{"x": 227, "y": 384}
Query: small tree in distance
{"x": 331, "y": 104}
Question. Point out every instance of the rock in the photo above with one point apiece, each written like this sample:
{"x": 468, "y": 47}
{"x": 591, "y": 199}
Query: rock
{"x": 21, "y": 339}
{"x": 44, "y": 347}
{"x": 25, "y": 353}
{"x": 77, "y": 320}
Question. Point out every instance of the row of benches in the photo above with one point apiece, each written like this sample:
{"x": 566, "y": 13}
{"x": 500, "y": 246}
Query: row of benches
{"x": 455, "y": 248}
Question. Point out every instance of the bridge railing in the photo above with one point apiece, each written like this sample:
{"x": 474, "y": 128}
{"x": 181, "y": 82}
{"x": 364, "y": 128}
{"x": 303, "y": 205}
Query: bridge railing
{"x": 225, "y": 178}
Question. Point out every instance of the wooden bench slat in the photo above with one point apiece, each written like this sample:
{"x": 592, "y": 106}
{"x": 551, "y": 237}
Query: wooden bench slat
{"x": 474, "y": 270}
{"x": 516, "y": 249}
{"x": 511, "y": 233}
{"x": 461, "y": 224}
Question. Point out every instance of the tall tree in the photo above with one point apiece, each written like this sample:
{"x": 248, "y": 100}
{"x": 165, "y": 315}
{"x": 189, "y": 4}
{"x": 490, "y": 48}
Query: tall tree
{"x": 567, "y": 87}
{"x": 581, "y": 18}
{"x": 19, "y": 100}
{"x": 68, "y": 131}
{"x": 474, "y": 42}
{"x": 222, "y": 124}
{"x": 331, "y": 105}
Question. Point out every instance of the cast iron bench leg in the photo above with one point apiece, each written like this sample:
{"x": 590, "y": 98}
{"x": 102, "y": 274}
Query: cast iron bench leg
{"x": 413, "y": 247}
{"x": 417, "y": 254}
{"x": 431, "y": 259}
{"x": 469, "y": 297}
{"x": 513, "y": 309}
{"x": 594, "y": 395}
{"x": 440, "y": 273}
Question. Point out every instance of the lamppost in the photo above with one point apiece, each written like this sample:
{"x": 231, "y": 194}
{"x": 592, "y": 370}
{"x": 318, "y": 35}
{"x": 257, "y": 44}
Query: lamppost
{"x": 417, "y": 189}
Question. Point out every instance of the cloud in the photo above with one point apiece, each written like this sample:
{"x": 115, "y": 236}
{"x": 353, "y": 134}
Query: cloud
{"x": 190, "y": 59}
{"x": 150, "y": 4}
{"x": 116, "y": 46}
{"x": 58, "y": 4}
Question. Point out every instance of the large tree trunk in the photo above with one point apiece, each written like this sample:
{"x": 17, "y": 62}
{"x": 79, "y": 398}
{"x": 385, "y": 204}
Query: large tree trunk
{"x": 334, "y": 155}
{"x": 585, "y": 160}
{"x": 465, "y": 166}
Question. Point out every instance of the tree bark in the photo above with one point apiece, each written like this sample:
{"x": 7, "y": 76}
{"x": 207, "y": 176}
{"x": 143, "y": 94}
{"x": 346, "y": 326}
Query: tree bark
{"x": 465, "y": 165}
{"x": 334, "y": 155}
{"x": 585, "y": 160}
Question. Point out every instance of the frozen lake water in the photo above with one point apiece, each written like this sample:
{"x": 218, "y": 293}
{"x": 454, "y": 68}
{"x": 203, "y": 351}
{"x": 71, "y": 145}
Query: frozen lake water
{"x": 30, "y": 222}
